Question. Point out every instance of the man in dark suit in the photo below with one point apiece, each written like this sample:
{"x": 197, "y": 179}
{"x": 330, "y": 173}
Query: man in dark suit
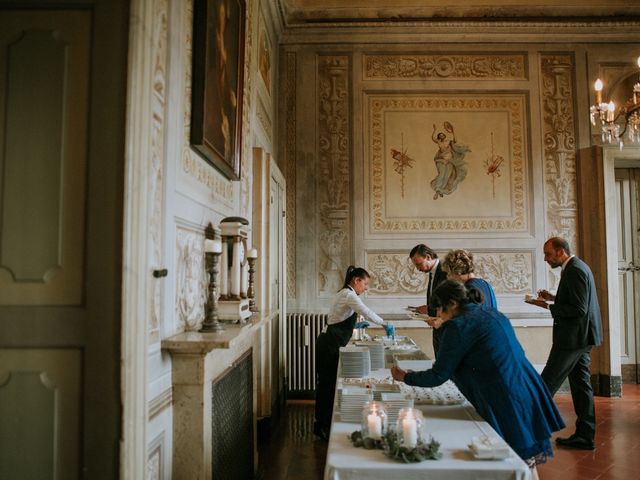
{"x": 576, "y": 329}
{"x": 426, "y": 260}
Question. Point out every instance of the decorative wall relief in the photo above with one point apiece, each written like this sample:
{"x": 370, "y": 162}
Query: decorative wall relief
{"x": 333, "y": 186}
{"x": 290, "y": 162}
{"x": 264, "y": 118}
{"x": 559, "y": 130}
{"x": 264, "y": 54}
{"x": 393, "y": 274}
{"x": 191, "y": 281}
{"x": 246, "y": 171}
{"x": 153, "y": 465}
{"x": 508, "y": 273}
{"x": 450, "y": 138}
{"x": 471, "y": 67}
{"x": 156, "y": 184}
{"x": 155, "y": 459}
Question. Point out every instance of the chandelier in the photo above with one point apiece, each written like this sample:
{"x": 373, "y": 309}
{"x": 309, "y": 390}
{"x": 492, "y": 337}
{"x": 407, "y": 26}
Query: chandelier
{"x": 613, "y": 130}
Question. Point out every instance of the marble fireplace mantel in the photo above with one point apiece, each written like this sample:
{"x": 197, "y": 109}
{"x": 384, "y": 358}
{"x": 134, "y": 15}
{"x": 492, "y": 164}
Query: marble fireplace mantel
{"x": 198, "y": 359}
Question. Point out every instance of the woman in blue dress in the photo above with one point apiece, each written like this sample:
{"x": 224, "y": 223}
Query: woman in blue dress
{"x": 479, "y": 347}
{"x": 460, "y": 267}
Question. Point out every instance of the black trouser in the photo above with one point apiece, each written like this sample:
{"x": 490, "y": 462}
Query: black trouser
{"x": 327, "y": 357}
{"x": 575, "y": 365}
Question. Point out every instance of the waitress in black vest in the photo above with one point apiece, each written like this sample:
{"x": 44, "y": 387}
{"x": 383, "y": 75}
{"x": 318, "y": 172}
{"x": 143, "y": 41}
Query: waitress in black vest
{"x": 342, "y": 320}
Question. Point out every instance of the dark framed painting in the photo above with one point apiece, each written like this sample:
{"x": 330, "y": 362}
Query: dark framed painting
{"x": 217, "y": 83}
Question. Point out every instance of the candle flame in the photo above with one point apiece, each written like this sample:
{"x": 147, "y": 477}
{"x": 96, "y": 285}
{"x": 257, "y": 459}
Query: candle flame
{"x": 598, "y": 85}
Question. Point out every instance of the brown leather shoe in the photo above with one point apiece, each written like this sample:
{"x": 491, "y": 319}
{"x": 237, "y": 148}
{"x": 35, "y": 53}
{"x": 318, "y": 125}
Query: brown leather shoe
{"x": 574, "y": 441}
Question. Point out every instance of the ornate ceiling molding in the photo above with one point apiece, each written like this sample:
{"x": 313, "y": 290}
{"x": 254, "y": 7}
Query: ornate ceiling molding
{"x": 296, "y": 13}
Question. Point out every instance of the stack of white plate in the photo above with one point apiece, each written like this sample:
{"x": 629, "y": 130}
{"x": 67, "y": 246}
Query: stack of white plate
{"x": 380, "y": 388}
{"x": 356, "y": 361}
{"x": 414, "y": 365}
{"x": 352, "y": 402}
{"x": 376, "y": 352}
{"x": 394, "y": 402}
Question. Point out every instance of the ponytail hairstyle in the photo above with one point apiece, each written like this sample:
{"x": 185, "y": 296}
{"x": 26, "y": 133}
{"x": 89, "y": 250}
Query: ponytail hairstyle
{"x": 451, "y": 291}
{"x": 354, "y": 272}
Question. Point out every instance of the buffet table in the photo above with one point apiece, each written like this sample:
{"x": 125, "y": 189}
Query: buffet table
{"x": 453, "y": 426}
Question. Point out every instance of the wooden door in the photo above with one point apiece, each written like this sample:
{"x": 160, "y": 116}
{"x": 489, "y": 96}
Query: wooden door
{"x": 61, "y": 157}
{"x": 628, "y": 269}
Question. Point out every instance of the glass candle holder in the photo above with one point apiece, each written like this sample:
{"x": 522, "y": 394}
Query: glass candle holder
{"x": 410, "y": 427}
{"x": 374, "y": 420}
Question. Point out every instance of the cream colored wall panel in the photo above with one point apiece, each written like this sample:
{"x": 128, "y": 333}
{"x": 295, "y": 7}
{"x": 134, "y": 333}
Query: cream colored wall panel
{"x": 432, "y": 169}
{"x": 44, "y": 69}
{"x": 40, "y": 404}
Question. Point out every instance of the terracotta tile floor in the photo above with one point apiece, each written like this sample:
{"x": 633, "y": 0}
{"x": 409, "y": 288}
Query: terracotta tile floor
{"x": 292, "y": 453}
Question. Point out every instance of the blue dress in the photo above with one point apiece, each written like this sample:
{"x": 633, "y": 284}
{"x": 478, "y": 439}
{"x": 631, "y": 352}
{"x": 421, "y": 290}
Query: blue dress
{"x": 480, "y": 348}
{"x": 488, "y": 295}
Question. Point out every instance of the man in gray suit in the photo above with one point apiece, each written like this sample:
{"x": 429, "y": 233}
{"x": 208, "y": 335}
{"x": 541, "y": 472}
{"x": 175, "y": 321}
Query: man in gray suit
{"x": 576, "y": 329}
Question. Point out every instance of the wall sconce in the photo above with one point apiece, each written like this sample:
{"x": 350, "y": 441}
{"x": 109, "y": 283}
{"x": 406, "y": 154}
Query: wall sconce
{"x": 212, "y": 252}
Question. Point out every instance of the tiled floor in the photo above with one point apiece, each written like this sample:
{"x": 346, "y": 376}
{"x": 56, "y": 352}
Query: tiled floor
{"x": 292, "y": 453}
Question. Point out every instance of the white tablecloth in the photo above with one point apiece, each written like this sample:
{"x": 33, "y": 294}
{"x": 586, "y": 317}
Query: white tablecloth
{"x": 452, "y": 425}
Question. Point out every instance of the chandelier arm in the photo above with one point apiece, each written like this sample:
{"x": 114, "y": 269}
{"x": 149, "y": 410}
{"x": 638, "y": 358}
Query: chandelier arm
{"x": 628, "y": 112}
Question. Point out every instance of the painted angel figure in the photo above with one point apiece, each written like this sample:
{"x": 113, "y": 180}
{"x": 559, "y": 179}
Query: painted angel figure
{"x": 449, "y": 160}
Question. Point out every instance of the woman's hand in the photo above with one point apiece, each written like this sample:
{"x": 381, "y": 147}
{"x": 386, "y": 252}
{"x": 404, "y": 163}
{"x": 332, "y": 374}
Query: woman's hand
{"x": 434, "y": 322}
{"x": 398, "y": 374}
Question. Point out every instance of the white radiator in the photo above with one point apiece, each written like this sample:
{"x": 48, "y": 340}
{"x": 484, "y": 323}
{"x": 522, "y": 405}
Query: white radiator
{"x": 302, "y": 331}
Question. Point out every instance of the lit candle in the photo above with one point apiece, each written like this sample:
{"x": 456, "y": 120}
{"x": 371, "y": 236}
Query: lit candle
{"x": 638, "y": 62}
{"x": 611, "y": 108}
{"x": 598, "y": 87}
{"x": 410, "y": 432}
{"x": 213, "y": 246}
{"x": 374, "y": 422}
{"x": 243, "y": 279}
{"x": 253, "y": 253}
{"x": 236, "y": 261}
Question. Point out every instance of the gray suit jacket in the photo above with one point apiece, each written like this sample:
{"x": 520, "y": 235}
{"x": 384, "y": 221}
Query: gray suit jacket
{"x": 576, "y": 313}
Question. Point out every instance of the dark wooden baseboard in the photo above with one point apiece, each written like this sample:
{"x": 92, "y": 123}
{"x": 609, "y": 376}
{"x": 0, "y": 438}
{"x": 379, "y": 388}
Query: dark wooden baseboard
{"x": 606, "y": 385}
{"x": 630, "y": 373}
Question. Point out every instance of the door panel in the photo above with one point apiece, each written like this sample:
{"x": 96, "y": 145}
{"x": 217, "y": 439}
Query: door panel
{"x": 625, "y": 200}
{"x": 44, "y": 75}
{"x": 39, "y": 405}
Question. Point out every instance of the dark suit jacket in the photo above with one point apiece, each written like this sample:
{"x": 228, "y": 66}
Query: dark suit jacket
{"x": 576, "y": 313}
{"x": 437, "y": 277}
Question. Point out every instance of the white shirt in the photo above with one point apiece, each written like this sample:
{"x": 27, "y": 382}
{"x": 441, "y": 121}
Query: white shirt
{"x": 346, "y": 302}
{"x": 564, "y": 264}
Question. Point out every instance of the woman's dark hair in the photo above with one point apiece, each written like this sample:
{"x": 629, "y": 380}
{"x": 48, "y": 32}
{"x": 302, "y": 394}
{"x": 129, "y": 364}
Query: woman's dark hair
{"x": 354, "y": 272}
{"x": 450, "y": 291}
